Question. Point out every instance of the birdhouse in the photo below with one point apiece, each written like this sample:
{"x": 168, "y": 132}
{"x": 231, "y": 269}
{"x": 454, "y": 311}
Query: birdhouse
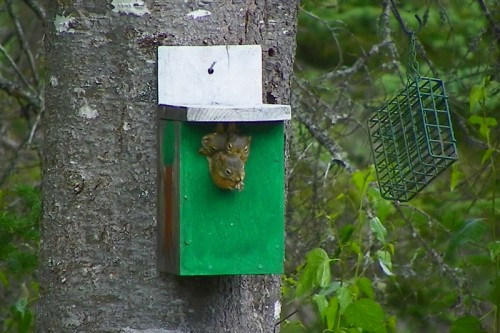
{"x": 205, "y": 228}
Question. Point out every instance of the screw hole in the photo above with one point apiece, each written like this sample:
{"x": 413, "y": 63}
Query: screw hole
{"x": 211, "y": 69}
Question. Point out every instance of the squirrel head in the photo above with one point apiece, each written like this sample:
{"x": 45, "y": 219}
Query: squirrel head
{"x": 227, "y": 171}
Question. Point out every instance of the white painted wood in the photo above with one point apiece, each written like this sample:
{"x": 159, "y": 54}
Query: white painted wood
{"x": 226, "y": 113}
{"x": 183, "y": 77}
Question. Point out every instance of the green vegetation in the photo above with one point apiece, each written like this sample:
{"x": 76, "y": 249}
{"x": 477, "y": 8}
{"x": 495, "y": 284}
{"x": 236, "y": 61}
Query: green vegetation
{"x": 367, "y": 264}
{"x": 20, "y": 211}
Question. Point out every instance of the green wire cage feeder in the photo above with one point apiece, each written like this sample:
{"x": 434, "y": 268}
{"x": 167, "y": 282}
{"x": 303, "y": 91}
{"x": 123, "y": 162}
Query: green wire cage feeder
{"x": 411, "y": 136}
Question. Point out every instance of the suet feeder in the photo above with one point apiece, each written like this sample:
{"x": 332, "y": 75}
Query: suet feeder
{"x": 412, "y": 136}
{"x": 203, "y": 229}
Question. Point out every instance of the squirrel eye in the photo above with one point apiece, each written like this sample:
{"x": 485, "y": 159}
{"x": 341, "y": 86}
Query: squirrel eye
{"x": 213, "y": 148}
{"x": 228, "y": 172}
{"x": 229, "y": 145}
{"x": 246, "y": 149}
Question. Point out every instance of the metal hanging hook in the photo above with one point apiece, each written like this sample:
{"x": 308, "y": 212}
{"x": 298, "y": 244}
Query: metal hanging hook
{"x": 407, "y": 31}
{"x": 413, "y": 67}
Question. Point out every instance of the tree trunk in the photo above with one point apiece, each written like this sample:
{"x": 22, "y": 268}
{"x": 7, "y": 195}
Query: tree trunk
{"x": 97, "y": 261}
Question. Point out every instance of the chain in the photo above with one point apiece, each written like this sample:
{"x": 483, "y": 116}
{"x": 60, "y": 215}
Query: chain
{"x": 413, "y": 69}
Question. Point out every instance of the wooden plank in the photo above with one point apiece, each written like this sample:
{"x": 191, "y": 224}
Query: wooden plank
{"x": 168, "y": 201}
{"x": 235, "y": 76}
{"x": 226, "y": 113}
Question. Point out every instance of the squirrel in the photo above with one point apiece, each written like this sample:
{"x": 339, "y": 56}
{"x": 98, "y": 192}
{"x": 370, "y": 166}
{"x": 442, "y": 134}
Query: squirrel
{"x": 239, "y": 145}
{"x": 227, "y": 170}
{"x": 212, "y": 143}
{"x": 227, "y": 153}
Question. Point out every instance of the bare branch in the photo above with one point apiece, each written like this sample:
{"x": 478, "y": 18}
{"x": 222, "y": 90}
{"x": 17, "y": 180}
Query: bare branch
{"x": 332, "y": 31}
{"x": 15, "y": 91}
{"x": 15, "y": 67}
{"x": 37, "y": 9}
{"x": 34, "y": 128}
{"x": 491, "y": 21}
{"x": 358, "y": 64}
{"x": 322, "y": 137}
{"x": 459, "y": 281}
{"x": 22, "y": 40}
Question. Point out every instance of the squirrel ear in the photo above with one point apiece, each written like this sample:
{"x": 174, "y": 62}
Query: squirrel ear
{"x": 249, "y": 139}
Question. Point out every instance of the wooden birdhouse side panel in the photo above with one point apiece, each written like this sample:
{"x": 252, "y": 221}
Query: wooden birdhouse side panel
{"x": 168, "y": 203}
{"x": 231, "y": 232}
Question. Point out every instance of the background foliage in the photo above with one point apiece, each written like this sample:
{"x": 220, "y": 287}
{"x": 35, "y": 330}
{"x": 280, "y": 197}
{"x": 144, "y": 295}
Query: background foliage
{"x": 430, "y": 265}
{"x": 21, "y": 109}
{"x": 355, "y": 262}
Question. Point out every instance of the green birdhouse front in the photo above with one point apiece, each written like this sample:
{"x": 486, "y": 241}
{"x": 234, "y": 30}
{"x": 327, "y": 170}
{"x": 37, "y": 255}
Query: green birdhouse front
{"x": 205, "y": 228}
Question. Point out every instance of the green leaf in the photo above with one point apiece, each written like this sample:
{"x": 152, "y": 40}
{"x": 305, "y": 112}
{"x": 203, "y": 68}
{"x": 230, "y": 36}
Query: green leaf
{"x": 323, "y": 275}
{"x": 383, "y": 208}
{"x": 378, "y": 229}
{"x": 494, "y": 249}
{"x": 385, "y": 262}
{"x": 365, "y": 285}
{"x": 487, "y": 154}
{"x": 390, "y": 246}
{"x": 346, "y": 233}
{"x": 305, "y": 282}
{"x": 331, "y": 312}
{"x": 355, "y": 248}
{"x": 316, "y": 271}
{"x": 391, "y": 323}
{"x": 467, "y": 324}
{"x": 293, "y": 327}
{"x": 456, "y": 176}
{"x": 484, "y": 124}
{"x": 345, "y": 297}
{"x": 20, "y": 306}
{"x": 316, "y": 256}
{"x": 322, "y": 304}
{"x": 477, "y": 96}
{"x": 366, "y": 314}
{"x": 319, "y": 261}
{"x": 362, "y": 178}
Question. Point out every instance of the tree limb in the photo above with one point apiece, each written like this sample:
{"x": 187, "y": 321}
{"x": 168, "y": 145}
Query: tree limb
{"x": 22, "y": 41}
{"x": 37, "y": 9}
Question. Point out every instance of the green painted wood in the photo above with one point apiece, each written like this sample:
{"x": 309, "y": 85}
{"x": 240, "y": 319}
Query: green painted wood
{"x": 224, "y": 232}
{"x": 167, "y": 140}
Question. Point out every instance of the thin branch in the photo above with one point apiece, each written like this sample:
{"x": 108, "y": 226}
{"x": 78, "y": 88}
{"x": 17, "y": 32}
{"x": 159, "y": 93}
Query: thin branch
{"x": 437, "y": 258}
{"x": 17, "y": 152}
{"x": 375, "y": 49}
{"x": 15, "y": 91}
{"x": 34, "y": 127}
{"x": 22, "y": 40}
{"x": 334, "y": 149}
{"x": 332, "y": 31}
{"x": 37, "y": 9}
{"x": 334, "y": 115}
{"x": 491, "y": 21}
{"x": 15, "y": 67}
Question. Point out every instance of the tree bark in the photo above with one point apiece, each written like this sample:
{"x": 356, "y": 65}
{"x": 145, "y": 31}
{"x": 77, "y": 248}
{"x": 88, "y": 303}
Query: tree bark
{"x": 97, "y": 258}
